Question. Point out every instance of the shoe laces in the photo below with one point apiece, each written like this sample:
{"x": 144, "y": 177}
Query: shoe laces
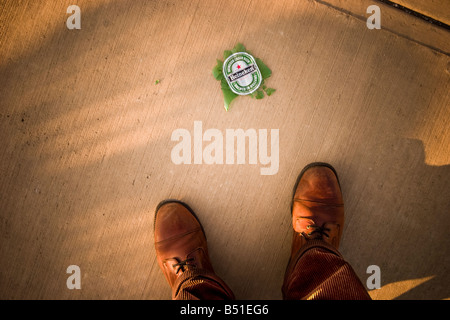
{"x": 182, "y": 264}
{"x": 317, "y": 232}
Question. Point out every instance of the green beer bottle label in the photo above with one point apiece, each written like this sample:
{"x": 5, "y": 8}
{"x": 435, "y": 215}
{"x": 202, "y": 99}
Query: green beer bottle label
{"x": 242, "y": 73}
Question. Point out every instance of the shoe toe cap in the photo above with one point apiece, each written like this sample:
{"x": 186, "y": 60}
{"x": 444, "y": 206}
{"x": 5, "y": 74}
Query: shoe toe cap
{"x": 174, "y": 220}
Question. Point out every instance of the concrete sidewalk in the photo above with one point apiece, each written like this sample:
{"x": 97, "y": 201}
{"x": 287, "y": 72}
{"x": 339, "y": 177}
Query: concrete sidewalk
{"x": 86, "y": 142}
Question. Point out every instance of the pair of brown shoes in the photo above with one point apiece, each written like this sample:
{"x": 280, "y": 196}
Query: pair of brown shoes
{"x": 317, "y": 214}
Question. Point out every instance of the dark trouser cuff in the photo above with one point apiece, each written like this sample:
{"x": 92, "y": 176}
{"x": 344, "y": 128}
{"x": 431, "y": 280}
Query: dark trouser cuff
{"x": 310, "y": 244}
{"x": 200, "y": 284}
{"x": 318, "y": 271}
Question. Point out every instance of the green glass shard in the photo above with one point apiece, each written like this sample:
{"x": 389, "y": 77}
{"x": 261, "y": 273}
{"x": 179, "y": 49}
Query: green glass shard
{"x": 229, "y": 95}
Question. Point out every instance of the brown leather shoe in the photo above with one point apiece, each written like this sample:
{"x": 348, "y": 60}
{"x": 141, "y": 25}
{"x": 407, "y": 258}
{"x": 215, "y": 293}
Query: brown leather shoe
{"x": 317, "y": 206}
{"x": 180, "y": 241}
